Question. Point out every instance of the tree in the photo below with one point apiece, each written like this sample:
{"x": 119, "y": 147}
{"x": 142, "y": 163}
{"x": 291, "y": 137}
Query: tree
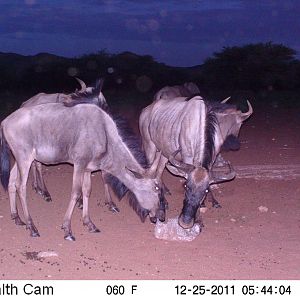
{"x": 251, "y": 67}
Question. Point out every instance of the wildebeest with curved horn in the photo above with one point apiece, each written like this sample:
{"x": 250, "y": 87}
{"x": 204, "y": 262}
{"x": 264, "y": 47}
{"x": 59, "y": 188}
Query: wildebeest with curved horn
{"x": 83, "y": 135}
{"x": 42, "y": 98}
{"x": 226, "y": 117}
{"x": 187, "y": 137}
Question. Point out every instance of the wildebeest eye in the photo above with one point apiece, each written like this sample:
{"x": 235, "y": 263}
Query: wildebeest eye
{"x": 185, "y": 186}
{"x": 206, "y": 191}
{"x": 157, "y": 188}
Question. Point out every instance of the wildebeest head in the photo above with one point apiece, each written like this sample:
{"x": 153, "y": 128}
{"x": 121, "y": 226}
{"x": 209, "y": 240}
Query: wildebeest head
{"x": 88, "y": 95}
{"x": 230, "y": 120}
{"x": 198, "y": 180}
{"x": 146, "y": 196}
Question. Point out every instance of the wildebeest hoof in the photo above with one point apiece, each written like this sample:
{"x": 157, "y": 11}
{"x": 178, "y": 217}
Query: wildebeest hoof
{"x": 112, "y": 207}
{"x": 91, "y": 227}
{"x": 47, "y": 198}
{"x": 44, "y": 194}
{"x": 79, "y": 203}
{"x": 201, "y": 225}
{"x": 19, "y": 222}
{"x": 216, "y": 204}
{"x": 34, "y": 234}
{"x": 185, "y": 225}
{"x": 153, "y": 220}
{"x": 69, "y": 237}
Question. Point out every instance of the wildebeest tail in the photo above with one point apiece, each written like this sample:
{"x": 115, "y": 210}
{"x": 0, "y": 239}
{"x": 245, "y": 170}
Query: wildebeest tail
{"x": 4, "y": 161}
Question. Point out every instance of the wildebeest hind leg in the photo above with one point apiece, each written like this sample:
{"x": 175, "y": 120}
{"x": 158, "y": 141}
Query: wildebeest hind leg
{"x": 211, "y": 198}
{"x": 24, "y": 167}
{"x": 79, "y": 202}
{"x": 13, "y": 194}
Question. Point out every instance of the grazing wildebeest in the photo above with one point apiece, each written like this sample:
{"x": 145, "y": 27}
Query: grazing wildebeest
{"x": 83, "y": 135}
{"x": 226, "y": 115}
{"x": 186, "y": 135}
{"x": 42, "y": 98}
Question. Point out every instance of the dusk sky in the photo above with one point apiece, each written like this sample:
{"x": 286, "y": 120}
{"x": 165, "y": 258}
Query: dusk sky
{"x": 178, "y": 33}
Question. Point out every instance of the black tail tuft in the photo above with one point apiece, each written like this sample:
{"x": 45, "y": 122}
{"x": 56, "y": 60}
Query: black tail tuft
{"x": 4, "y": 162}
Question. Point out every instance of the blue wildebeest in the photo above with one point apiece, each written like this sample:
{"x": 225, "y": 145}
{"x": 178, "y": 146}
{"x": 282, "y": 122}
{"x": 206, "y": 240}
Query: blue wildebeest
{"x": 226, "y": 118}
{"x": 42, "y": 98}
{"x": 186, "y": 135}
{"x": 83, "y": 135}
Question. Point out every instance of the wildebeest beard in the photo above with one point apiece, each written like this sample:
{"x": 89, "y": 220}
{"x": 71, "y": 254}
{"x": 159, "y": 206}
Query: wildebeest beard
{"x": 193, "y": 198}
{"x": 231, "y": 143}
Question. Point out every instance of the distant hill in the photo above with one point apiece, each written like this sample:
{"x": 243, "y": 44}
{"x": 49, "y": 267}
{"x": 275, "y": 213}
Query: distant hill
{"x": 51, "y": 73}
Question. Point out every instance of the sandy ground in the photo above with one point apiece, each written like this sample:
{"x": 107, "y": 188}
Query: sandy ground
{"x": 237, "y": 242}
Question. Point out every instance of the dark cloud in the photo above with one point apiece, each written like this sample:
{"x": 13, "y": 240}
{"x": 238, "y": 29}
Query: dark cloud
{"x": 175, "y": 32}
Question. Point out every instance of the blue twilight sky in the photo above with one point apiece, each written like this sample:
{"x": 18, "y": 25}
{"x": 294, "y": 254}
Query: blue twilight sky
{"x": 176, "y": 32}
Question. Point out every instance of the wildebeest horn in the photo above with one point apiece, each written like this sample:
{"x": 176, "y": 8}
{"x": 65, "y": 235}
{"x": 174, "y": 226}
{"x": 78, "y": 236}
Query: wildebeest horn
{"x": 225, "y": 177}
{"x": 99, "y": 84}
{"x": 225, "y": 100}
{"x": 82, "y": 84}
{"x": 247, "y": 114}
{"x": 134, "y": 173}
{"x": 180, "y": 164}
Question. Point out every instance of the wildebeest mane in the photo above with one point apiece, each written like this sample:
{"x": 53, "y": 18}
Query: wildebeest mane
{"x": 231, "y": 142}
{"x": 80, "y": 101}
{"x": 134, "y": 145}
{"x": 210, "y": 130}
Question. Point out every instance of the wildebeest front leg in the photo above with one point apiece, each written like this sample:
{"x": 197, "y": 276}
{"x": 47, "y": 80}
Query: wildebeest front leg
{"x": 86, "y": 192}
{"x": 164, "y": 190}
{"x": 76, "y": 192}
{"x": 108, "y": 200}
{"x": 211, "y": 198}
{"x": 163, "y": 203}
{"x": 220, "y": 161}
{"x": 38, "y": 181}
{"x": 12, "y": 190}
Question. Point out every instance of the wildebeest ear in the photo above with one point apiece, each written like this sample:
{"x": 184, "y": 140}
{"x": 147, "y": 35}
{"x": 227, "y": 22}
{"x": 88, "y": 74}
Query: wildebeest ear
{"x": 176, "y": 171}
{"x": 134, "y": 173}
{"x": 99, "y": 85}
